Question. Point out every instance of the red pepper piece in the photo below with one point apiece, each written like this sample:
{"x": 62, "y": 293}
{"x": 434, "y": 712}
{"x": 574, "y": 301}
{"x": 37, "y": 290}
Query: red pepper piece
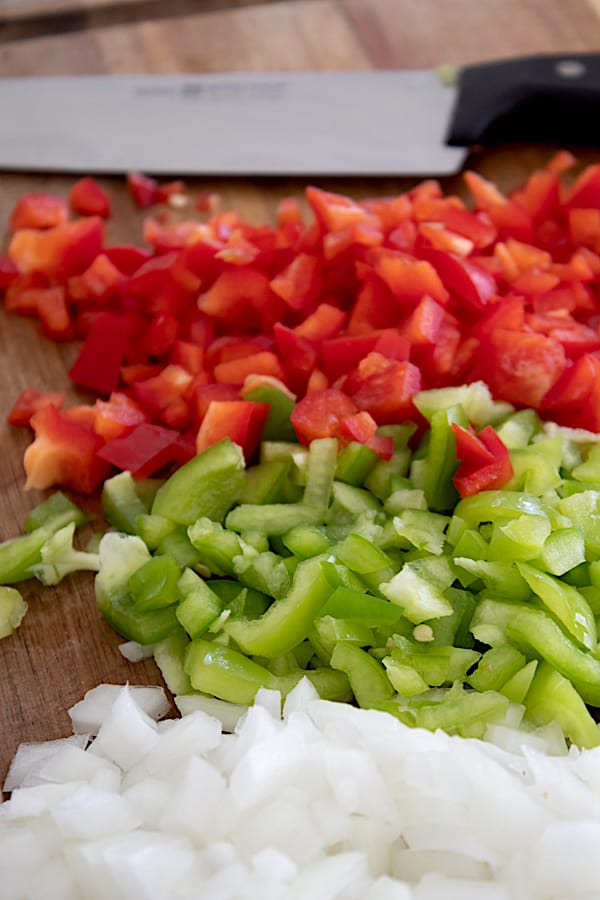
{"x": 235, "y": 371}
{"x": 325, "y": 322}
{"x": 340, "y": 355}
{"x": 63, "y": 453}
{"x": 143, "y": 189}
{"x": 88, "y": 198}
{"x": 117, "y": 416}
{"x": 100, "y": 281}
{"x": 374, "y": 307}
{"x": 241, "y": 420}
{"x": 126, "y": 258}
{"x": 574, "y": 399}
{"x": 484, "y": 461}
{"x": 300, "y": 283}
{"x": 300, "y": 356}
{"x": 98, "y": 365}
{"x": 58, "y": 252}
{"x": 145, "y": 450}
{"x": 53, "y": 313}
{"x": 384, "y": 387}
{"x": 8, "y": 272}
{"x": 31, "y": 401}
{"x": 409, "y": 279}
{"x": 462, "y": 277}
{"x": 519, "y": 367}
{"x": 157, "y": 392}
{"x": 360, "y": 426}
{"x": 321, "y": 413}
{"x": 38, "y": 211}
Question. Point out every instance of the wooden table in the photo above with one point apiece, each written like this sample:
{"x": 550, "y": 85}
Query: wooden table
{"x": 63, "y": 647}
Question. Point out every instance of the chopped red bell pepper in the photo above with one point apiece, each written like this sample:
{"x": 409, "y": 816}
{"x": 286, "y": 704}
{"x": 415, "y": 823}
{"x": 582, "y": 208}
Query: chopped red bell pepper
{"x": 98, "y": 365}
{"x": 321, "y": 413}
{"x": 38, "y": 211}
{"x": 88, "y": 198}
{"x": 241, "y": 420}
{"x": 31, "y": 401}
{"x": 145, "y": 450}
{"x": 484, "y": 461}
{"x": 63, "y": 453}
{"x": 60, "y": 251}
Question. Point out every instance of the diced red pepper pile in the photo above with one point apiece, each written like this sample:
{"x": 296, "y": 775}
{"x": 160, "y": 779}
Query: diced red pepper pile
{"x": 352, "y": 311}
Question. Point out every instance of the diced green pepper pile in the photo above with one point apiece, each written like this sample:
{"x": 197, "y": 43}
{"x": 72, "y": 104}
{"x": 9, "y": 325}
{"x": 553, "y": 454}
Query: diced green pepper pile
{"x": 370, "y": 577}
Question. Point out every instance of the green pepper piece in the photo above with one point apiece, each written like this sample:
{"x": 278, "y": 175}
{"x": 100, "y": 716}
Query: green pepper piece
{"x": 331, "y": 629}
{"x": 207, "y": 485}
{"x": 419, "y": 591}
{"x": 20, "y": 555}
{"x": 55, "y": 512}
{"x": 58, "y": 557}
{"x": 403, "y": 677}
{"x": 199, "y": 606}
{"x": 382, "y": 479}
{"x": 288, "y": 620}
{"x": 265, "y": 482}
{"x": 454, "y": 629}
{"x": 440, "y": 462}
{"x": 216, "y": 546}
{"x": 496, "y": 667}
{"x": 177, "y": 544}
{"x": 224, "y": 672}
{"x": 422, "y": 529}
{"x": 497, "y": 506}
{"x": 120, "y": 556}
{"x": 12, "y": 609}
{"x": 169, "y": 655}
{"x": 241, "y": 600}
{"x": 266, "y": 572}
{"x": 154, "y": 585}
{"x": 536, "y": 468}
{"x": 320, "y": 472}
{"x": 272, "y": 518}
{"x": 463, "y": 712}
{"x": 153, "y": 529}
{"x": 354, "y": 463}
{"x": 329, "y": 684}
{"x": 361, "y": 555}
{"x": 522, "y": 538}
{"x": 552, "y": 698}
{"x": 121, "y": 503}
{"x": 305, "y": 541}
{"x": 565, "y": 602}
{"x": 345, "y": 603}
{"x": 563, "y": 550}
{"x": 532, "y": 629}
{"x": 366, "y": 675}
{"x": 500, "y": 577}
{"x": 475, "y": 399}
{"x": 516, "y": 688}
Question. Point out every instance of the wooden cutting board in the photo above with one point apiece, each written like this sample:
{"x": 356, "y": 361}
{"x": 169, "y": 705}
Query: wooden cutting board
{"x": 63, "y": 647}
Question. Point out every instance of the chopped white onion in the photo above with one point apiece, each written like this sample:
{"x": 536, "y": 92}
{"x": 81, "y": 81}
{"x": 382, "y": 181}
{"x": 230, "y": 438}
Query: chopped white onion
{"x": 324, "y": 800}
{"x": 89, "y": 713}
{"x": 135, "y": 652}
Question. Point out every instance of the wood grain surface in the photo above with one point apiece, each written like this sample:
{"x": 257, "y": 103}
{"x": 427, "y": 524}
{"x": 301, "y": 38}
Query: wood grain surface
{"x": 63, "y": 647}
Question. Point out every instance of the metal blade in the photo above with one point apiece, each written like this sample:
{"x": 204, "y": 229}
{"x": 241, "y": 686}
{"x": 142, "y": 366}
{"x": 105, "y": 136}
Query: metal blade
{"x": 327, "y": 123}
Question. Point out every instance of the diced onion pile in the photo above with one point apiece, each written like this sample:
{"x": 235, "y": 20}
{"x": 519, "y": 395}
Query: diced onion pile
{"x": 324, "y": 801}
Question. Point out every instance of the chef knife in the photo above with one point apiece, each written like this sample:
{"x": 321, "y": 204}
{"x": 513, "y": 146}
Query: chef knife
{"x": 386, "y": 122}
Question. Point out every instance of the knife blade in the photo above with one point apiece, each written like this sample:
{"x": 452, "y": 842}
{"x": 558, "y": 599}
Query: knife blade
{"x": 381, "y": 122}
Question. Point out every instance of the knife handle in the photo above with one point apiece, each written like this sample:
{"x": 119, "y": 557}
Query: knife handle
{"x": 552, "y": 99}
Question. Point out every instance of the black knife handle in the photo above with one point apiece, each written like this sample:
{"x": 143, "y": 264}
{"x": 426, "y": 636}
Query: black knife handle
{"x": 552, "y": 99}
